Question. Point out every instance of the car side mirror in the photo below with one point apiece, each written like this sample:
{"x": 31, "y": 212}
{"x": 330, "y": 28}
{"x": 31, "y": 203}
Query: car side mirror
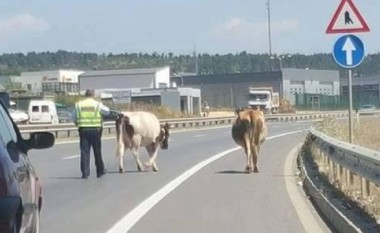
{"x": 41, "y": 140}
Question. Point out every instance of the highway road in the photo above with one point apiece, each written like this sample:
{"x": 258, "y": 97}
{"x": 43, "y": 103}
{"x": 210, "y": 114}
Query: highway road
{"x": 200, "y": 187}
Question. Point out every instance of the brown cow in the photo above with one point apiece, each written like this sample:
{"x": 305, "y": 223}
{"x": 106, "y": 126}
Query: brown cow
{"x": 249, "y": 131}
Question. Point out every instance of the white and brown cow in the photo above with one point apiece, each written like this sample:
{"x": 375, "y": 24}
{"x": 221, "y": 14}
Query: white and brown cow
{"x": 249, "y": 131}
{"x": 140, "y": 129}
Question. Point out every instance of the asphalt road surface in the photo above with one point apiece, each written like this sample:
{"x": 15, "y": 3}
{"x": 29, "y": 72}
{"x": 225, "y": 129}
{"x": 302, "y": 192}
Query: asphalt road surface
{"x": 200, "y": 187}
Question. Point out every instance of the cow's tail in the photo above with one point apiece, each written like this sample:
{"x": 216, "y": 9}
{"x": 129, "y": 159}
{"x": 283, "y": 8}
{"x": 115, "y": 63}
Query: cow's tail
{"x": 119, "y": 128}
{"x": 258, "y": 129}
{"x": 119, "y": 137}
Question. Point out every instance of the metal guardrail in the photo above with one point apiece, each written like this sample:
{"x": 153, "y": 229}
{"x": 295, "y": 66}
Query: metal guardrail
{"x": 353, "y": 167}
{"x": 69, "y": 129}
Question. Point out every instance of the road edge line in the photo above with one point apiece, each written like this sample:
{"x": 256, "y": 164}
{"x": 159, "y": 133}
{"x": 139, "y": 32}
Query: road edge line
{"x": 304, "y": 212}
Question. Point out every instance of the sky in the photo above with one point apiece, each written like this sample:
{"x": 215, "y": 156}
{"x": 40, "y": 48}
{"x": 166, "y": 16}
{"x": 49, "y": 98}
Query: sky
{"x": 178, "y": 26}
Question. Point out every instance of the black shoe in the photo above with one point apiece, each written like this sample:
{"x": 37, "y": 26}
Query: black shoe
{"x": 84, "y": 177}
{"x": 102, "y": 173}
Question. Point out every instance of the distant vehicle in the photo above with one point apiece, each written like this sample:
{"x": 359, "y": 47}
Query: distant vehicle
{"x": 367, "y": 109}
{"x": 20, "y": 188}
{"x": 42, "y": 112}
{"x": 264, "y": 98}
{"x": 18, "y": 116}
{"x": 110, "y": 117}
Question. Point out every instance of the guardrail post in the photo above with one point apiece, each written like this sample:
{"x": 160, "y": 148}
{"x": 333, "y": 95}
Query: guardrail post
{"x": 350, "y": 177}
{"x": 356, "y": 182}
{"x": 365, "y": 187}
{"x": 340, "y": 175}
{"x": 325, "y": 159}
{"x": 331, "y": 169}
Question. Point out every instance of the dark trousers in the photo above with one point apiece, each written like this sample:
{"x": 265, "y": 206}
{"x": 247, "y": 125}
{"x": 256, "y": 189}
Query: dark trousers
{"x": 90, "y": 137}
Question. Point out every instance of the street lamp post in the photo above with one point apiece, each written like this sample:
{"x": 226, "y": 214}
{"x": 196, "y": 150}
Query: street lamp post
{"x": 280, "y": 59}
{"x": 181, "y": 80}
{"x": 269, "y": 36}
{"x": 179, "y": 76}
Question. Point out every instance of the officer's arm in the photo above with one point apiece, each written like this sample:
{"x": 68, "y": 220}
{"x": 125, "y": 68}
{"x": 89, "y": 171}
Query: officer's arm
{"x": 104, "y": 109}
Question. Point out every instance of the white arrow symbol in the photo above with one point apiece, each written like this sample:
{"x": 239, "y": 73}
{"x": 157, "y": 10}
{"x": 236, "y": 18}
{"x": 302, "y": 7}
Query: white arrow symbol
{"x": 349, "y": 47}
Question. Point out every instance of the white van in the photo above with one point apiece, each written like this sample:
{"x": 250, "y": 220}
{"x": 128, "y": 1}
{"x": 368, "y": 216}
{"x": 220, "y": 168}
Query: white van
{"x": 42, "y": 112}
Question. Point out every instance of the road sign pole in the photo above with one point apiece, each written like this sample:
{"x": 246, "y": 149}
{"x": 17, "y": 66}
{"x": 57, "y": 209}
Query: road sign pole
{"x": 350, "y": 124}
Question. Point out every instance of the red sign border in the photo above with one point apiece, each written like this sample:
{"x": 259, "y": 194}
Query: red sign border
{"x": 330, "y": 28}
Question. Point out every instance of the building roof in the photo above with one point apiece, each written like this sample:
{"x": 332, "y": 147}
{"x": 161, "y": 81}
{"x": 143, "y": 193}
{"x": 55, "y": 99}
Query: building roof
{"x": 293, "y": 74}
{"x": 94, "y": 73}
{"x": 48, "y": 71}
{"x": 361, "y": 80}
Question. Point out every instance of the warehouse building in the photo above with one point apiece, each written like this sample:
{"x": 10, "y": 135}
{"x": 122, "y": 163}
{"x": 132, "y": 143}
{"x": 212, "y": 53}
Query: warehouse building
{"x": 231, "y": 90}
{"x": 365, "y": 90}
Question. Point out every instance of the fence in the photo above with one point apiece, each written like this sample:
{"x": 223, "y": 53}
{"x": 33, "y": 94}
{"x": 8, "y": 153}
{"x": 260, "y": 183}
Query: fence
{"x": 318, "y": 102}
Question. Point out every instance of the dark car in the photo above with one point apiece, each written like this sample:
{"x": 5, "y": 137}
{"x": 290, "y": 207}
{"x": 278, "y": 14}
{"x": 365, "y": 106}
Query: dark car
{"x": 367, "y": 109}
{"x": 20, "y": 188}
{"x": 112, "y": 116}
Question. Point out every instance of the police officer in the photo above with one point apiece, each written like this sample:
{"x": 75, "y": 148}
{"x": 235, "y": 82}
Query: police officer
{"x": 87, "y": 116}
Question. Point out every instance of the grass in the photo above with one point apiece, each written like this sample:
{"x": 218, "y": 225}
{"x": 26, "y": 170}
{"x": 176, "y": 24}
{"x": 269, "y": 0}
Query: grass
{"x": 366, "y": 134}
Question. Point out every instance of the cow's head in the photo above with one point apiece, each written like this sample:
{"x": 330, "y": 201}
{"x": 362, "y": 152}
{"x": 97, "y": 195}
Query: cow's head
{"x": 238, "y": 110}
{"x": 163, "y": 138}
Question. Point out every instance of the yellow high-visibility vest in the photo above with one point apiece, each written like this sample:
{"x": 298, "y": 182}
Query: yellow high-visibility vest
{"x": 88, "y": 113}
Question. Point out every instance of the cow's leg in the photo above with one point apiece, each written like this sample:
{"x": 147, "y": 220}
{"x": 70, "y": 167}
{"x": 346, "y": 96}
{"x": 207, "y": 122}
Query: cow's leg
{"x": 135, "y": 153}
{"x": 255, "y": 153}
{"x": 248, "y": 168}
{"x": 152, "y": 151}
{"x": 120, "y": 155}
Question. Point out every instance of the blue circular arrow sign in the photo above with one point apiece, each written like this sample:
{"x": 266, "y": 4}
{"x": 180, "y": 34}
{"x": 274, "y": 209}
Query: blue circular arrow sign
{"x": 348, "y": 51}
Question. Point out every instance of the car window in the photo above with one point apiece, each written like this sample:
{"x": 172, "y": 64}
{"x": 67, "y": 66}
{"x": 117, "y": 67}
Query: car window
{"x": 35, "y": 109}
{"x": 6, "y": 127}
{"x": 9, "y": 135}
{"x": 45, "y": 108}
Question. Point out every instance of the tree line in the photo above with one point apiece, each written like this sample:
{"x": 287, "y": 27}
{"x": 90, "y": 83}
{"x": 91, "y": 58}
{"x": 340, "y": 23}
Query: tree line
{"x": 15, "y": 63}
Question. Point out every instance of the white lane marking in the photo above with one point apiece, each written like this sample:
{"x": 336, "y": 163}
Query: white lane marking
{"x": 129, "y": 220}
{"x": 308, "y": 221}
{"x": 71, "y": 157}
{"x": 199, "y": 135}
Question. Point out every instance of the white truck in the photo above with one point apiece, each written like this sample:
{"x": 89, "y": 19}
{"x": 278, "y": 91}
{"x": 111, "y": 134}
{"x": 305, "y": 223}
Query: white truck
{"x": 264, "y": 98}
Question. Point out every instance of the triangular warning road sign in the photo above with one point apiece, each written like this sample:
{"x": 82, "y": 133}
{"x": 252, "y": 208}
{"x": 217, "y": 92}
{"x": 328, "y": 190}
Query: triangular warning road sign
{"x": 347, "y": 19}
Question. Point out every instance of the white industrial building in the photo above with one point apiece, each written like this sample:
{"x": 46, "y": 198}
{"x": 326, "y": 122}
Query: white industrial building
{"x": 62, "y": 81}
{"x": 151, "y": 85}
{"x": 121, "y": 79}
